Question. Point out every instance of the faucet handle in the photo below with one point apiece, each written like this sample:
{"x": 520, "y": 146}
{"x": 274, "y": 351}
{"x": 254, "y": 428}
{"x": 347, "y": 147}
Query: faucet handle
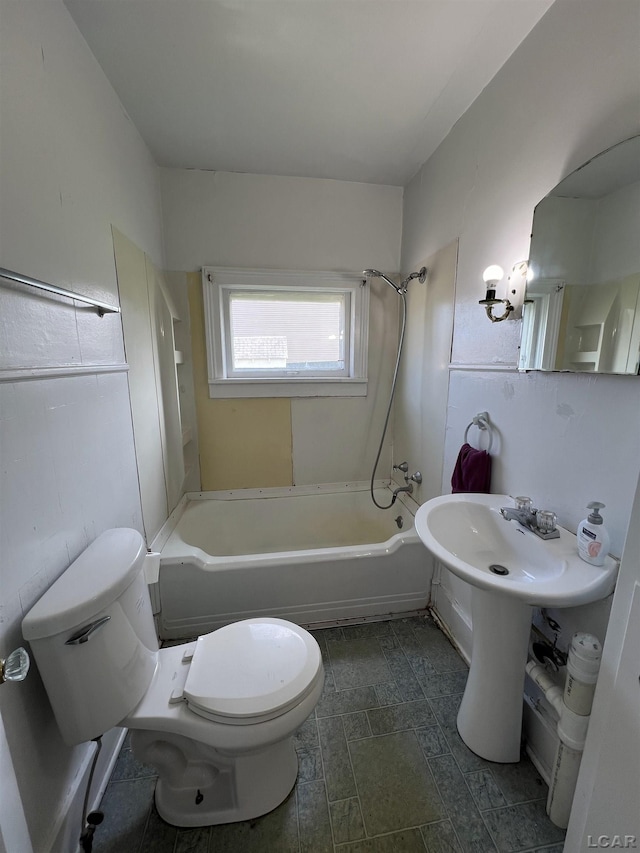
{"x": 403, "y": 466}
{"x": 546, "y": 520}
{"x": 523, "y": 503}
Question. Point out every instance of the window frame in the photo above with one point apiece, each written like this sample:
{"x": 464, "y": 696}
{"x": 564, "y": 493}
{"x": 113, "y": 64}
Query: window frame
{"x": 218, "y": 282}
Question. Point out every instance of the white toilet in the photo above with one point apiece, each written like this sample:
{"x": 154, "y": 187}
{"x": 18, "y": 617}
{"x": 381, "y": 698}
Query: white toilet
{"x": 215, "y": 717}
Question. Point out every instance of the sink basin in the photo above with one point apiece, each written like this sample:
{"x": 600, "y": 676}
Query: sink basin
{"x": 469, "y": 535}
{"x": 511, "y": 570}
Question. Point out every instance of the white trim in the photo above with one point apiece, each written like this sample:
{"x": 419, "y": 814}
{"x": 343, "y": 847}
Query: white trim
{"x": 160, "y": 539}
{"x": 295, "y": 491}
{"x": 541, "y": 324}
{"x": 234, "y": 388}
{"x": 509, "y": 368}
{"x": 22, "y": 373}
{"x": 216, "y": 279}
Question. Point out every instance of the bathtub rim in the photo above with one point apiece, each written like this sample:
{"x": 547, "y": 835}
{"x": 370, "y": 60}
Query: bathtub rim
{"x": 162, "y": 537}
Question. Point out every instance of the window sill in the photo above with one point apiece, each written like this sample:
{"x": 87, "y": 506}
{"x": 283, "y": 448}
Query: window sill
{"x": 237, "y": 388}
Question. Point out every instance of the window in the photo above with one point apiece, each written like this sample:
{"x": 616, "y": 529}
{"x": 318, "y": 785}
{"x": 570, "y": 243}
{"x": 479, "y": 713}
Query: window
{"x": 275, "y": 333}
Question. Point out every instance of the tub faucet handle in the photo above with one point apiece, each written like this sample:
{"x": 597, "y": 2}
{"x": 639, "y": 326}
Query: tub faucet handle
{"x": 403, "y": 466}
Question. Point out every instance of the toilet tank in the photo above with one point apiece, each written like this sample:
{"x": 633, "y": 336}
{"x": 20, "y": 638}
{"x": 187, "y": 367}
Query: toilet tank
{"x": 93, "y": 637}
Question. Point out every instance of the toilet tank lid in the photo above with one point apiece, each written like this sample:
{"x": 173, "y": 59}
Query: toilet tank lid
{"x": 92, "y": 582}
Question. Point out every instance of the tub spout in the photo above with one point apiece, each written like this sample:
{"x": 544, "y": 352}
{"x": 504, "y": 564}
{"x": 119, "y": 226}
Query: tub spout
{"x": 408, "y": 489}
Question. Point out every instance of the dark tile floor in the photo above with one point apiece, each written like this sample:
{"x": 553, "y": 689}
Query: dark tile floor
{"x": 382, "y": 767}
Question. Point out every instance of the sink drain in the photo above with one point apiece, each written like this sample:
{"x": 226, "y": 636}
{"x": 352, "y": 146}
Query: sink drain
{"x": 497, "y": 569}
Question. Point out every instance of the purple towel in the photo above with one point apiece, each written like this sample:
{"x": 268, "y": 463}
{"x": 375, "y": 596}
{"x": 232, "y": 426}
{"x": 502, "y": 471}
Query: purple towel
{"x": 472, "y": 472}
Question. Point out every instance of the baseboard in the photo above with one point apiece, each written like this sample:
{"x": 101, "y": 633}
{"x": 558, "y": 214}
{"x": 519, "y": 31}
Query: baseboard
{"x": 452, "y": 620}
{"x": 66, "y": 830}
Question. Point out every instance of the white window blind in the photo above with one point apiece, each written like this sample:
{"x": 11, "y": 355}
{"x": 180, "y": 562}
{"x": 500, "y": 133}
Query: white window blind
{"x": 284, "y": 333}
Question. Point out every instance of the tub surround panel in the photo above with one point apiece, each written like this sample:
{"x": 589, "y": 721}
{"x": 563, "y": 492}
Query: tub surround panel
{"x": 421, "y": 397}
{"x": 131, "y": 266}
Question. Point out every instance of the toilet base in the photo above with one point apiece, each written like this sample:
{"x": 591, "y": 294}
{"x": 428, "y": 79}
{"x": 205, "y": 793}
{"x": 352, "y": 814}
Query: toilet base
{"x": 201, "y": 786}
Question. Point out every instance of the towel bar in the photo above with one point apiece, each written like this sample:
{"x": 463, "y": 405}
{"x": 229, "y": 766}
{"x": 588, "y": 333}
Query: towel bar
{"x": 101, "y": 307}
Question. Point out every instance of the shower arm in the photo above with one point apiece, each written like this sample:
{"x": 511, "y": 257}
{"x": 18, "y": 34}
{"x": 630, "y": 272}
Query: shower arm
{"x": 421, "y": 275}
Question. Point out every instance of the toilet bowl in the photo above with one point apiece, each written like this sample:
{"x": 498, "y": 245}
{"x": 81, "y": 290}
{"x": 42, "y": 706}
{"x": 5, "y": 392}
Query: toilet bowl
{"x": 218, "y": 719}
{"x": 215, "y": 717}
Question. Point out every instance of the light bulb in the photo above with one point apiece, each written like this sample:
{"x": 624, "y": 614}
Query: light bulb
{"x": 493, "y": 274}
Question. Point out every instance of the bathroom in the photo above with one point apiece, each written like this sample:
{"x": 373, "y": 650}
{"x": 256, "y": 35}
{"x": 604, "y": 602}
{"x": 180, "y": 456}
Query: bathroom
{"x": 74, "y": 167}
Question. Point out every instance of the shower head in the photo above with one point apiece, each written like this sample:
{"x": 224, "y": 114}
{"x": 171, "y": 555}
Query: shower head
{"x": 378, "y": 274}
{"x": 421, "y": 275}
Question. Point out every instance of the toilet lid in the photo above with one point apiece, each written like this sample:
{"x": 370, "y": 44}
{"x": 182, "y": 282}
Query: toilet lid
{"x": 251, "y": 669}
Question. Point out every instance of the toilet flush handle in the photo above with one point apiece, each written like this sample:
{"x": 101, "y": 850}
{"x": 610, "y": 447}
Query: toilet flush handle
{"x": 84, "y": 634}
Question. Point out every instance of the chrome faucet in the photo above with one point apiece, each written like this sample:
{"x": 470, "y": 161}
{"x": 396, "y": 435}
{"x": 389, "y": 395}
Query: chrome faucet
{"x": 408, "y": 489}
{"x": 416, "y": 477}
{"x": 542, "y": 522}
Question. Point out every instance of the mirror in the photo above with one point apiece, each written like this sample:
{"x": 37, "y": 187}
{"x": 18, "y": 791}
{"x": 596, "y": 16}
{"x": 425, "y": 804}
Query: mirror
{"x": 582, "y": 302}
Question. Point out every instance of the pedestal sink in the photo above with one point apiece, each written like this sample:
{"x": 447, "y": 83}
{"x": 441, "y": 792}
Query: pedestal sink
{"x": 511, "y": 570}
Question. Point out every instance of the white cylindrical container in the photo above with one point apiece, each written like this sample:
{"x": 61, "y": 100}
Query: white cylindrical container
{"x": 583, "y": 665}
{"x": 582, "y": 673}
{"x": 563, "y": 784}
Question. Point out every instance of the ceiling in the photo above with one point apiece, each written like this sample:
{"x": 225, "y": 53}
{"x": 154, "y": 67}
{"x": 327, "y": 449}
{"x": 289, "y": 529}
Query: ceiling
{"x": 356, "y": 90}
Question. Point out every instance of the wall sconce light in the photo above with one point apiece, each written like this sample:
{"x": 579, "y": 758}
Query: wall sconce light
{"x": 491, "y": 276}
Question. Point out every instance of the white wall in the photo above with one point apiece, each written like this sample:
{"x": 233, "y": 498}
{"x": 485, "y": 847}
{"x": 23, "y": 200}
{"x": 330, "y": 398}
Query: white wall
{"x": 71, "y": 165}
{"x": 240, "y": 220}
{"x": 482, "y": 184}
{"x": 606, "y": 799}
{"x": 569, "y": 91}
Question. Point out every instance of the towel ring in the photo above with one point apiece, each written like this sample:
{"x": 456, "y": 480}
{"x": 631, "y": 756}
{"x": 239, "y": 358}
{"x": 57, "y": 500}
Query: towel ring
{"x": 481, "y": 420}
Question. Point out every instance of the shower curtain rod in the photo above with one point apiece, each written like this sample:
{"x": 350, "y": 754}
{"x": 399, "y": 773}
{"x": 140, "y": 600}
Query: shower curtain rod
{"x": 102, "y": 307}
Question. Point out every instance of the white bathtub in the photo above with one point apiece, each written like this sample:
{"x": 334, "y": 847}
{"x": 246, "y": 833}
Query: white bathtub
{"x": 309, "y": 554}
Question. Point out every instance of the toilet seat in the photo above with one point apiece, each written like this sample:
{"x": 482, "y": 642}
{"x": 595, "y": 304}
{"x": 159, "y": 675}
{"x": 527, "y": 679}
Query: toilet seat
{"x": 252, "y": 671}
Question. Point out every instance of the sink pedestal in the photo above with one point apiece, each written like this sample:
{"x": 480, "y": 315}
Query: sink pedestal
{"x": 490, "y": 716}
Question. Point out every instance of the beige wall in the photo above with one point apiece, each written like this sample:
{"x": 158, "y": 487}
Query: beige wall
{"x": 243, "y": 444}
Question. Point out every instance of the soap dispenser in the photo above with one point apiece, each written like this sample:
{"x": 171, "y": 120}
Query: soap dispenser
{"x": 593, "y": 539}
